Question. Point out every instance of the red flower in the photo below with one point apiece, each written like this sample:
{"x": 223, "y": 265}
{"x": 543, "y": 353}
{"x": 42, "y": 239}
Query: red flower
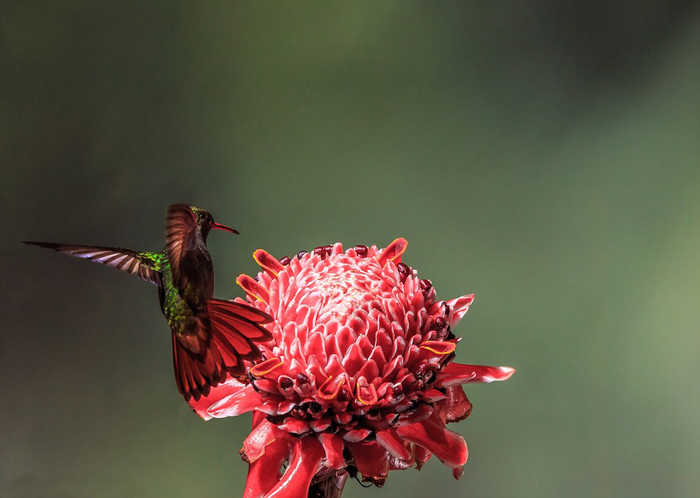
{"x": 359, "y": 375}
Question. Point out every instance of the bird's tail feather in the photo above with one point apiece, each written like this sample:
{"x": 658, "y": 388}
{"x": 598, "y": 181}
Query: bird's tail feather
{"x": 235, "y": 330}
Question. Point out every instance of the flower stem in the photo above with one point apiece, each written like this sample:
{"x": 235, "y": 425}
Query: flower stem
{"x": 327, "y": 485}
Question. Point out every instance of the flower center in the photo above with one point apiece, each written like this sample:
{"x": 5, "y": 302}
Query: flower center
{"x": 358, "y": 340}
{"x": 341, "y": 295}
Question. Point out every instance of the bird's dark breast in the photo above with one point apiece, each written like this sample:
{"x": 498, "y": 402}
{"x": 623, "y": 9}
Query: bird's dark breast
{"x": 199, "y": 272}
{"x": 195, "y": 335}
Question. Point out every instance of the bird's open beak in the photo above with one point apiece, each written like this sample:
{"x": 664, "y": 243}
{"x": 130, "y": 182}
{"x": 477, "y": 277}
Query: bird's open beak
{"x": 219, "y": 226}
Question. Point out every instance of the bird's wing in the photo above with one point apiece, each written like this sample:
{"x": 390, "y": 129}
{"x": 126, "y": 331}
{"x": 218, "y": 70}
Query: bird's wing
{"x": 180, "y": 226}
{"x": 145, "y": 265}
{"x": 205, "y": 358}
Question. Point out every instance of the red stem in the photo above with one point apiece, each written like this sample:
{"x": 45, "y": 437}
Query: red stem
{"x": 327, "y": 485}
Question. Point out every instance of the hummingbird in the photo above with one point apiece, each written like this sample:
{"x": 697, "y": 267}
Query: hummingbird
{"x": 210, "y": 337}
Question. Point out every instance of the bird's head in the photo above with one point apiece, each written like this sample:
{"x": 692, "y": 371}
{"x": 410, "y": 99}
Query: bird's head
{"x": 205, "y": 222}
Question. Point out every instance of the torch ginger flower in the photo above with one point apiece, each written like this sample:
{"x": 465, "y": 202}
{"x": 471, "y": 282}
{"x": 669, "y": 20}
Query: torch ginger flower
{"x": 358, "y": 377}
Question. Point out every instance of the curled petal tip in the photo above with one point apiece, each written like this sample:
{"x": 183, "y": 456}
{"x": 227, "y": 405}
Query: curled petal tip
{"x": 331, "y": 387}
{"x": 458, "y": 373}
{"x": 265, "y": 367}
{"x": 432, "y": 435}
{"x": 253, "y": 288}
{"x": 459, "y": 307}
{"x": 393, "y": 251}
{"x": 267, "y": 262}
{"x": 501, "y": 374}
{"x": 366, "y": 393}
{"x": 507, "y": 372}
{"x": 439, "y": 347}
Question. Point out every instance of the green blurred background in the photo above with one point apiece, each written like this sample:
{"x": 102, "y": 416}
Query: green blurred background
{"x": 542, "y": 154}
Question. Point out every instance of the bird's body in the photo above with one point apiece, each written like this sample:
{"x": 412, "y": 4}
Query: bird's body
{"x": 211, "y": 337}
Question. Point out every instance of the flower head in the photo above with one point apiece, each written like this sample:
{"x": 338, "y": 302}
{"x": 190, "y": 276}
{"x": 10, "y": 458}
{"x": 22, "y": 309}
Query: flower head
{"x": 358, "y": 376}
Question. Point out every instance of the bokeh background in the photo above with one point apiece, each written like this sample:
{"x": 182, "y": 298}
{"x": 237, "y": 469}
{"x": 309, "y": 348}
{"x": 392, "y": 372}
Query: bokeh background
{"x": 542, "y": 154}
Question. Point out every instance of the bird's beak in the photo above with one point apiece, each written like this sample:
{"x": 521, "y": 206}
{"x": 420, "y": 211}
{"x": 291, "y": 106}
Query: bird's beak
{"x": 219, "y": 226}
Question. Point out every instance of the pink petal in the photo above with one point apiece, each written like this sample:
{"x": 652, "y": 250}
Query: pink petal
{"x": 393, "y": 251}
{"x": 371, "y": 460}
{"x": 431, "y": 434}
{"x": 356, "y": 435}
{"x": 267, "y": 366}
{"x": 422, "y": 456}
{"x": 433, "y": 396}
{"x": 241, "y": 401}
{"x": 459, "y": 306}
{"x": 391, "y": 441}
{"x": 365, "y": 392}
{"x": 253, "y": 288}
{"x": 267, "y": 261}
{"x": 320, "y": 425}
{"x": 263, "y": 435}
{"x": 216, "y": 393}
{"x": 439, "y": 347}
{"x": 333, "y": 447}
{"x": 295, "y": 426}
{"x": 264, "y": 472}
{"x": 258, "y": 418}
{"x": 458, "y": 373}
{"x": 330, "y": 388}
{"x": 305, "y": 460}
{"x": 457, "y": 407}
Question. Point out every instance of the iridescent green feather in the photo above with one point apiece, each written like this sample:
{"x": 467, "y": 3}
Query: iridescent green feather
{"x": 156, "y": 260}
{"x": 175, "y": 308}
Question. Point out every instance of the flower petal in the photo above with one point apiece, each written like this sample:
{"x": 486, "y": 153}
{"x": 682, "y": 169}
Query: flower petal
{"x": 431, "y": 434}
{"x": 330, "y": 388}
{"x": 295, "y": 426}
{"x": 439, "y": 347}
{"x": 365, "y": 392}
{"x": 391, "y": 441}
{"x": 393, "y": 251}
{"x": 266, "y": 366}
{"x": 263, "y": 435}
{"x": 264, "y": 472}
{"x": 305, "y": 460}
{"x": 457, "y": 406}
{"x": 333, "y": 447}
{"x": 253, "y": 288}
{"x": 422, "y": 455}
{"x": 459, "y": 306}
{"x": 371, "y": 460}
{"x": 433, "y": 396}
{"x": 356, "y": 435}
{"x": 267, "y": 261}
{"x": 241, "y": 401}
{"x": 458, "y": 373}
{"x": 216, "y": 393}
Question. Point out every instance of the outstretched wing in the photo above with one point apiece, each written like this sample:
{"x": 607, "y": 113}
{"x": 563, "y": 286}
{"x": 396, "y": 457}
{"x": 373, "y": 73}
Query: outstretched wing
{"x": 144, "y": 265}
{"x": 234, "y": 330}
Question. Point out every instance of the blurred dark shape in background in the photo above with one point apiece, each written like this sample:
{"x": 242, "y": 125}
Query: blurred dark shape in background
{"x": 542, "y": 154}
